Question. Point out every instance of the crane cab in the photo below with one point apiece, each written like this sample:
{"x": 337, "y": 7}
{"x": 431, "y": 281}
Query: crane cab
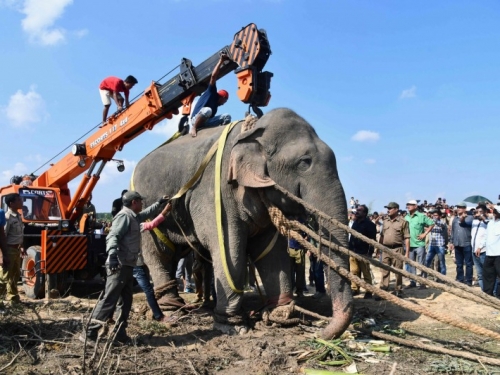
{"x": 57, "y": 251}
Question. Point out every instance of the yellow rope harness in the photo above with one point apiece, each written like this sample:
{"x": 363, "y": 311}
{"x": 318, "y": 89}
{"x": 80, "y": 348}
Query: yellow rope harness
{"x": 166, "y": 241}
{"x": 218, "y": 149}
{"x": 268, "y": 248}
{"x": 218, "y": 206}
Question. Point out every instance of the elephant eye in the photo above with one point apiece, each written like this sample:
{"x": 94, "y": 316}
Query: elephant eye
{"x": 304, "y": 163}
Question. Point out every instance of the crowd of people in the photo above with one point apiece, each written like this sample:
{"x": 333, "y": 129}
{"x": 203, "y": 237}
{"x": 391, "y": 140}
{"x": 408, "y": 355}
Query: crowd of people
{"x": 426, "y": 233}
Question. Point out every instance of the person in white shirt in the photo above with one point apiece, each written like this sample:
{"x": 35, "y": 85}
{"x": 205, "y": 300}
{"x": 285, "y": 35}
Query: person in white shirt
{"x": 491, "y": 266}
{"x": 478, "y": 241}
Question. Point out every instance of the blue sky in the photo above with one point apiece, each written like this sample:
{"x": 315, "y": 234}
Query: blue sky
{"x": 407, "y": 94}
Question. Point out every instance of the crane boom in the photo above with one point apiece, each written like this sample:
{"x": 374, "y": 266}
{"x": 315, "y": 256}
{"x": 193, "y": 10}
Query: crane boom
{"x": 247, "y": 54}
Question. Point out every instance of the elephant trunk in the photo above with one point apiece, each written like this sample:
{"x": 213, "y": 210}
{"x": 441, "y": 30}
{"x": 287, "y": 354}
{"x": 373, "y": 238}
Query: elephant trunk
{"x": 342, "y": 305}
{"x": 339, "y": 288}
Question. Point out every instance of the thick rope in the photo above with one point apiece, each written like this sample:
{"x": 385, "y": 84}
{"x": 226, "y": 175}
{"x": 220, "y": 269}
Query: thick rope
{"x": 163, "y": 289}
{"x": 492, "y": 301}
{"x": 377, "y": 263}
{"x": 437, "y": 349}
{"x": 282, "y": 223}
{"x": 310, "y": 313}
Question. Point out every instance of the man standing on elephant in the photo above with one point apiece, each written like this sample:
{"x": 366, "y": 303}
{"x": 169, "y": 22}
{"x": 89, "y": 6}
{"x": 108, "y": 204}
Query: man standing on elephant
{"x": 206, "y": 108}
{"x": 364, "y": 226}
{"x": 123, "y": 245}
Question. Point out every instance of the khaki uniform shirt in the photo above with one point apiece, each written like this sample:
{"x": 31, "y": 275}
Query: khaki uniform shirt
{"x": 14, "y": 228}
{"x": 395, "y": 231}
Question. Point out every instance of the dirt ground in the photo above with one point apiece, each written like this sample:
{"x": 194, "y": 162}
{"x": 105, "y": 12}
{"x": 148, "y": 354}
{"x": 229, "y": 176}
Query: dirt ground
{"x": 42, "y": 338}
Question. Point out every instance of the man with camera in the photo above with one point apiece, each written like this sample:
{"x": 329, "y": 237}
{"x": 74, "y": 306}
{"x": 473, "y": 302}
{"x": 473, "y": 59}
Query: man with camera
{"x": 478, "y": 235}
{"x": 491, "y": 266}
{"x": 461, "y": 242}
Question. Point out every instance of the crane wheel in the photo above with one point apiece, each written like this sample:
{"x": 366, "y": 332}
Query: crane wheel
{"x": 33, "y": 278}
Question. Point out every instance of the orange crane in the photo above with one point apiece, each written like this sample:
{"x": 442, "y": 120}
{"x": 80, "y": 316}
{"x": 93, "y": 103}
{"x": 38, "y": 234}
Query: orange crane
{"x": 54, "y": 247}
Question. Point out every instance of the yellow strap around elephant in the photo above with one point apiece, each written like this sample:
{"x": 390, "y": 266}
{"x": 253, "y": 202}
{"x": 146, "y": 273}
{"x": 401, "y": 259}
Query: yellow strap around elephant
{"x": 268, "y": 248}
{"x": 188, "y": 185}
{"x": 158, "y": 232}
{"x": 198, "y": 173}
{"x": 218, "y": 206}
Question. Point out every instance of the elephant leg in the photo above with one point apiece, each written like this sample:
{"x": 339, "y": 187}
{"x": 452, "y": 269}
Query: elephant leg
{"x": 162, "y": 264}
{"x": 203, "y": 274}
{"x": 229, "y": 284}
{"x": 274, "y": 268}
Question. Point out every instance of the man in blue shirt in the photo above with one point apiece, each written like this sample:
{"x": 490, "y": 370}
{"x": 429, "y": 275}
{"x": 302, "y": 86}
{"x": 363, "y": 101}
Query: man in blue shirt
{"x": 461, "y": 236}
{"x": 204, "y": 113}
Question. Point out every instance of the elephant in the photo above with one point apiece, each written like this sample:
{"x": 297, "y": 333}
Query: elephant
{"x": 281, "y": 148}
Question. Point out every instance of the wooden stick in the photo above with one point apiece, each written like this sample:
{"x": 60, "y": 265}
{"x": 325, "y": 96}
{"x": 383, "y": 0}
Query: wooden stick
{"x": 437, "y": 349}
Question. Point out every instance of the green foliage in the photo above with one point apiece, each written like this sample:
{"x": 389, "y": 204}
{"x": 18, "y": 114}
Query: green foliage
{"x": 104, "y": 216}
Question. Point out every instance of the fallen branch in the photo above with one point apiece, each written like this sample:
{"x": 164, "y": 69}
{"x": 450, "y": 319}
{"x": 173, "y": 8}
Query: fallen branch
{"x": 437, "y": 349}
{"x": 11, "y": 362}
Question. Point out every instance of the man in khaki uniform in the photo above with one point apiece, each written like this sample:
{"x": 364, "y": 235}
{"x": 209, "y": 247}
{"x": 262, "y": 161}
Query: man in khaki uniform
{"x": 395, "y": 233}
{"x": 14, "y": 228}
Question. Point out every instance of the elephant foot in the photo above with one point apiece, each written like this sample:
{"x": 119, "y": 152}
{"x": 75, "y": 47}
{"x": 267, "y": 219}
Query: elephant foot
{"x": 171, "y": 303}
{"x": 281, "y": 300}
{"x": 280, "y": 315}
{"x": 231, "y": 330}
{"x": 231, "y": 324}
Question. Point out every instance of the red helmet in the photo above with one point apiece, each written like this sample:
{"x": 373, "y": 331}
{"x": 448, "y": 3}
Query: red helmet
{"x": 223, "y": 93}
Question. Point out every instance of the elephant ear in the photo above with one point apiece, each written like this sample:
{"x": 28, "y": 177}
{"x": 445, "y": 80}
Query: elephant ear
{"x": 247, "y": 164}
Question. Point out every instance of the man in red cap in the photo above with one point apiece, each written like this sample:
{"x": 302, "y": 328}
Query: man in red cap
{"x": 204, "y": 113}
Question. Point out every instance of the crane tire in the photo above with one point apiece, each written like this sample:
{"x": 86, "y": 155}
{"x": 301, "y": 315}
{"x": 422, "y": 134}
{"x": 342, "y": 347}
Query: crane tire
{"x": 33, "y": 278}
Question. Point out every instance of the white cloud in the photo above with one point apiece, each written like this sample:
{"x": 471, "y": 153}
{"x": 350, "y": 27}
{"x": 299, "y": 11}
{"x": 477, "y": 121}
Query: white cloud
{"x": 409, "y": 93}
{"x": 24, "y": 109}
{"x": 366, "y": 136}
{"x": 370, "y": 161}
{"x": 19, "y": 170}
{"x": 40, "y": 18}
{"x": 81, "y": 33}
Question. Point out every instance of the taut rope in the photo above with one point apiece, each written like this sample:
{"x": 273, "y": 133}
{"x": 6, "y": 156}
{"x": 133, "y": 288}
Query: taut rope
{"x": 283, "y": 225}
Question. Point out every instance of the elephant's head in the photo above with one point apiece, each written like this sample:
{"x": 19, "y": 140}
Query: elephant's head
{"x": 283, "y": 148}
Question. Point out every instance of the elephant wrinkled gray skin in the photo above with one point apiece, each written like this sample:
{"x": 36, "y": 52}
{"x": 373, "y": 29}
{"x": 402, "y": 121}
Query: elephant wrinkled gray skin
{"x": 281, "y": 148}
